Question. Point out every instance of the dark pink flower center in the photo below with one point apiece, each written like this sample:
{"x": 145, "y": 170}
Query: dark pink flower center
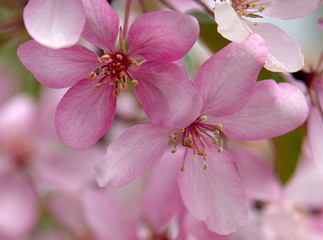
{"x": 197, "y": 136}
{"x": 114, "y": 71}
{"x": 18, "y": 149}
{"x": 248, "y": 8}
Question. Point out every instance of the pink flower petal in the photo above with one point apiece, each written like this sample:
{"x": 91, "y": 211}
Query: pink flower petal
{"x": 315, "y": 136}
{"x": 306, "y": 181}
{"x": 284, "y": 53}
{"x": 18, "y": 207}
{"x": 289, "y": 9}
{"x": 226, "y": 81}
{"x": 273, "y": 110}
{"x": 162, "y": 36}
{"x": 105, "y": 218}
{"x": 85, "y": 114}
{"x": 193, "y": 229}
{"x": 256, "y": 174}
{"x": 101, "y": 25}
{"x": 214, "y": 195}
{"x": 166, "y": 93}
{"x": 55, "y": 23}
{"x": 17, "y": 117}
{"x": 230, "y": 25}
{"x": 58, "y": 68}
{"x": 162, "y": 200}
{"x": 136, "y": 150}
{"x": 69, "y": 170}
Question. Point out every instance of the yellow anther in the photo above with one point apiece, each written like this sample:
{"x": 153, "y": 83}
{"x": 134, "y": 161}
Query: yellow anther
{"x": 92, "y": 76}
{"x": 216, "y": 132}
{"x": 189, "y": 137}
{"x": 102, "y": 71}
{"x": 181, "y": 130}
{"x": 182, "y": 168}
{"x": 261, "y": 8}
{"x": 121, "y": 75}
{"x": 203, "y": 117}
{"x": 123, "y": 87}
{"x": 199, "y": 152}
{"x": 174, "y": 150}
{"x": 254, "y": 5}
{"x": 99, "y": 59}
{"x": 105, "y": 57}
{"x": 97, "y": 86}
{"x": 134, "y": 82}
{"x": 219, "y": 126}
{"x": 255, "y": 23}
{"x": 215, "y": 141}
{"x": 119, "y": 56}
{"x": 205, "y": 166}
{"x": 220, "y": 149}
{"x": 116, "y": 92}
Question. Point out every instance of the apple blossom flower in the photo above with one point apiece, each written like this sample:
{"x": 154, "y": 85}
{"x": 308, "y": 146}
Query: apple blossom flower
{"x": 293, "y": 215}
{"x": 235, "y": 19}
{"x": 87, "y": 110}
{"x": 238, "y": 107}
{"x": 53, "y": 23}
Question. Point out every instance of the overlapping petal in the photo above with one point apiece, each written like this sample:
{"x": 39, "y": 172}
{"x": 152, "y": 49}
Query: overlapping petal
{"x": 284, "y": 53}
{"x": 58, "y": 68}
{"x": 55, "y": 23}
{"x": 101, "y": 25}
{"x": 162, "y": 200}
{"x": 226, "y": 81}
{"x": 215, "y": 195}
{"x": 273, "y": 110}
{"x": 257, "y": 175}
{"x": 106, "y": 218}
{"x": 229, "y": 23}
{"x": 137, "y": 149}
{"x": 162, "y": 36}
{"x": 166, "y": 93}
{"x": 85, "y": 114}
{"x": 289, "y": 9}
{"x": 18, "y": 205}
{"x": 315, "y": 136}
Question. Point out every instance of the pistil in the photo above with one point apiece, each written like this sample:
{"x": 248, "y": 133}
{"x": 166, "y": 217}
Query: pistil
{"x": 196, "y": 137}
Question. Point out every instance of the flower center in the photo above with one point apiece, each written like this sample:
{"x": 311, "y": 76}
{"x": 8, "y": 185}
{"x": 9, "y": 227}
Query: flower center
{"x": 18, "y": 149}
{"x": 114, "y": 71}
{"x": 248, "y": 8}
{"x": 196, "y": 137}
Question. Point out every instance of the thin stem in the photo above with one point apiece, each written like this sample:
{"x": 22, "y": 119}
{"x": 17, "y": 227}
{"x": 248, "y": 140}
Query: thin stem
{"x": 143, "y": 6}
{"x": 205, "y": 6}
{"x": 126, "y": 19}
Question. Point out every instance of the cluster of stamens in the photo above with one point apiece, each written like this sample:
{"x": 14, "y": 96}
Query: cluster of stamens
{"x": 248, "y": 8}
{"x": 114, "y": 71}
{"x": 196, "y": 137}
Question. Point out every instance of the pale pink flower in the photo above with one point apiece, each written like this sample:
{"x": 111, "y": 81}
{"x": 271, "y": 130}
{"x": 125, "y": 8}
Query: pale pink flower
{"x": 55, "y": 23}
{"x": 296, "y": 214}
{"x": 238, "y": 107}
{"x": 87, "y": 110}
{"x": 236, "y": 21}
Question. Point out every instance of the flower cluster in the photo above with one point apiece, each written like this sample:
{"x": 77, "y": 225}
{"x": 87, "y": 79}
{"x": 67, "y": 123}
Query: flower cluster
{"x": 192, "y": 144}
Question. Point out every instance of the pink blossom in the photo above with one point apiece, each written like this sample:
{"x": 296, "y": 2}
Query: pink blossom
{"x": 87, "y": 110}
{"x": 296, "y": 214}
{"x": 238, "y": 107}
{"x": 235, "y": 21}
{"x": 55, "y": 23}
